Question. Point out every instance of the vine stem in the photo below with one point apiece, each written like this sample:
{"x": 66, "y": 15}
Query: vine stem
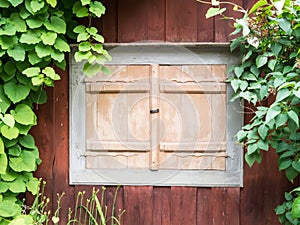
{"x": 219, "y": 3}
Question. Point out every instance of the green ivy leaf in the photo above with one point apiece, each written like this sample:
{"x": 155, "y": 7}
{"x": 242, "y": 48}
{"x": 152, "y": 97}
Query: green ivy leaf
{"x": 4, "y": 4}
{"x": 38, "y": 80}
{"x": 282, "y": 94}
{"x": 33, "y": 186}
{"x": 43, "y": 50}
{"x": 79, "y": 10}
{"x": 23, "y": 129}
{"x": 9, "y": 209}
{"x": 49, "y": 37}
{"x": 17, "y": 53}
{"x": 296, "y": 165}
{"x": 52, "y": 3}
{"x": 32, "y": 71}
{"x": 272, "y": 113}
{"x": 58, "y": 55}
{"x": 9, "y": 132}
{"x": 4, "y": 101}
{"x": 15, "y": 150}
{"x": 211, "y": 12}
{"x": 24, "y": 115}
{"x": 285, "y": 25}
{"x": 294, "y": 117}
{"x": 98, "y": 9}
{"x": 281, "y": 120}
{"x": 291, "y": 173}
{"x": 61, "y": 45}
{"x": 18, "y": 22}
{"x": 263, "y": 131}
{"x": 91, "y": 69}
{"x": 85, "y": 2}
{"x": 22, "y": 220}
{"x": 36, "y": 5}
{"x": 261, "y": 60}
{"x": 27, "y": 141}
{"x": 56, "y": 24}
{"x": 79, "y": 29}
{"x": 27, "y": 161}
{"x": 9, "y": 176}
{"x": 7, "y": 42}
{"x": 3, "y": 163}
{"x": 84, "y": 36}
{"x": 8, "y": 120}
{"x": 33, "y": 58}
{"x": 50, "y": 72}
{"x": 17, "y": 186}
{"x": 15, "y": 2}
{"x": 84, "y": 46}
{"x": 16, "y": 92}
{"x": 34, "y": 22}
{"x": 30, "y": 37}
{"x": 276, "y": 48}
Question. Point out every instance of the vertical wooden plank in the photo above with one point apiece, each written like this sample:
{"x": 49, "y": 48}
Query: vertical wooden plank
{"x": 183, "y": 205}
{"x": 219, "y": 205}
{"x": 61, "y": 145}
{"x": 181, "y": 20}
{"x": 205, "y": 28}
{"x": 204, "y": 206}
{"x": 138, "y": 203}
{"x": 43, "y": 135}
{"x": 156, "y": 20}
{"x": 132, "y": 20}
{"x": 110, "y": 193}
{"x": 110, "y": 21}
{"x": 232, "y": 198}
{"x": 223, "y": 28}
{"x": 162, "y": 205}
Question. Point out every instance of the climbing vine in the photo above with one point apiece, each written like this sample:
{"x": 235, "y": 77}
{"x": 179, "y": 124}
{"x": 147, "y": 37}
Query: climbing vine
{"x": 269, "y": 42}
{"x": 34, "y": 37}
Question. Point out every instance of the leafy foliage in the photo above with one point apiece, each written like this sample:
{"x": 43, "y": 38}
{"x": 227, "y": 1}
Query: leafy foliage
{"x": 269, "y": 72}
{"x": 34, "y": 37}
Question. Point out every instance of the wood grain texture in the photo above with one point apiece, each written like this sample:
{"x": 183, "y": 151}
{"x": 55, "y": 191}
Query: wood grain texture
{"x": 181, "y": 20}
{"x": 183, "y": 205}
{"x": 43, "y": 134}
{"x": 204, "y": 206}
{"x": 205, "y": 27}
{"x": 132, "y": 21}
{"x": 232, "y": 212}
{"x": 110, "y": 21}
{"x": 218, "y": 199}
{"x": 61, "y": 145}
{"x": 162, "y": 205}
{"x": 138, "y": 203}
{"x": 156, "y": 20}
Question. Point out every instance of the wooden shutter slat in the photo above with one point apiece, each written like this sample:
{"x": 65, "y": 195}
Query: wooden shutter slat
{"x": 117, "y": 146}
{"x": 118, "y": 87}
{"x": 209, "y": 88}
{"x": 194, "y": 147}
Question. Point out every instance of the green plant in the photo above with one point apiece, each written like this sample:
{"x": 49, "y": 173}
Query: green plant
{"x": 93, "y": 210}
{"x": 34, "y": 37}
{"x": 269, "y": 43}
{"x": 88, "y": 210}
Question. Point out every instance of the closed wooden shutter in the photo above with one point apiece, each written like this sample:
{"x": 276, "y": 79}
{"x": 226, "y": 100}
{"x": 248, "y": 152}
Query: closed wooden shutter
{"x": 157, "y": 117}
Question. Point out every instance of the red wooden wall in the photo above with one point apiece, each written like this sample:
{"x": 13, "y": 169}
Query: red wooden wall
{"x": 166, "y": 21}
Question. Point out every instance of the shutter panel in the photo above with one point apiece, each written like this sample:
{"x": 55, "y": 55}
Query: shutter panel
{"x": 117, "y": 115}
{"x": 187, "y": 133}
{"x": 193, "y": 114}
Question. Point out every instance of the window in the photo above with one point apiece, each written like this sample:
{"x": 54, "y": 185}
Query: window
{"x": 160, "y": 118}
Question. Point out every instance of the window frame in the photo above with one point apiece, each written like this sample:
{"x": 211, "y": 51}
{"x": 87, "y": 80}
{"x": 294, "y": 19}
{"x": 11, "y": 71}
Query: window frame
{"x": 163, "y": 54}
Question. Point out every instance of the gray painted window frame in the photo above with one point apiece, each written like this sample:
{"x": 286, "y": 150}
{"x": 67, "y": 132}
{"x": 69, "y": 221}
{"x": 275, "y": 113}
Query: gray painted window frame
{"x": 170, "y": 54}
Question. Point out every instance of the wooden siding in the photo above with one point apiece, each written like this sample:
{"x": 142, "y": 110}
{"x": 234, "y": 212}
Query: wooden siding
{"x": 161, "y": 21}
{"x": 172, "y": 21}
